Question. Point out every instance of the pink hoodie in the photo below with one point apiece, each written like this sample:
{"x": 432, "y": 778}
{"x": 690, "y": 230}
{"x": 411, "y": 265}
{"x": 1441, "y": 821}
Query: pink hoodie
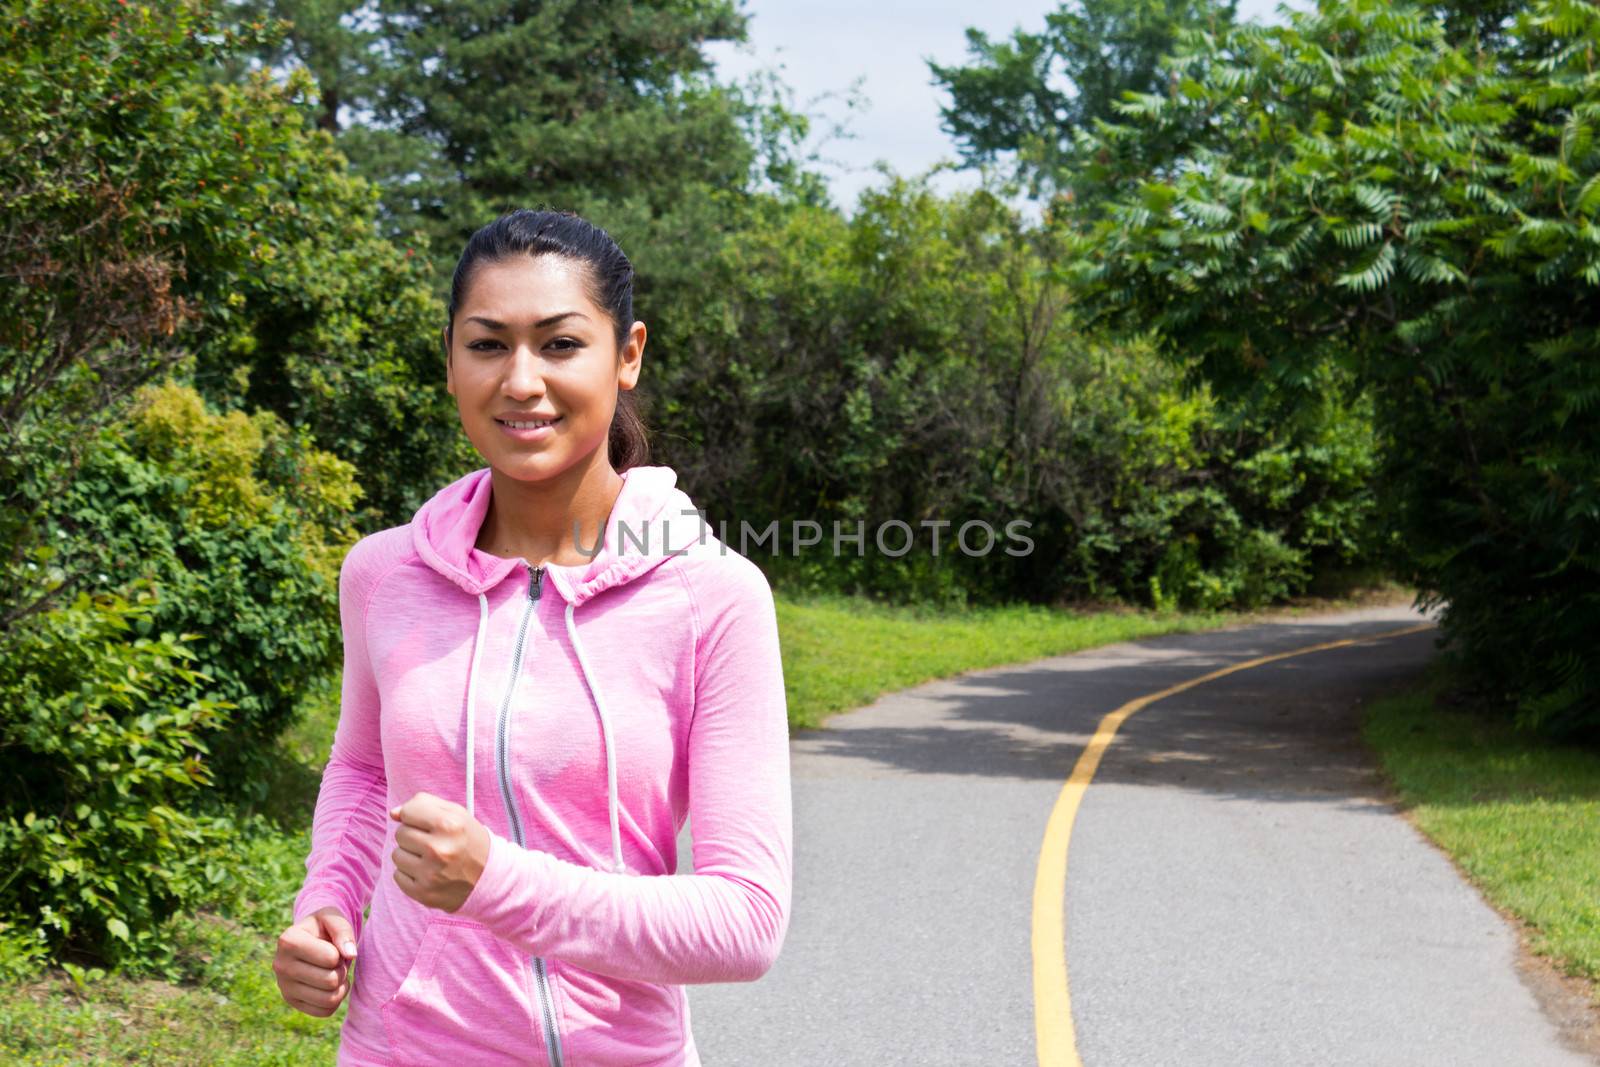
{"x": 602, "y": 703}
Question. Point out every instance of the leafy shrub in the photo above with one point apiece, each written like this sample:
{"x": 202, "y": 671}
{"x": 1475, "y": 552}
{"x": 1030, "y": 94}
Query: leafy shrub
{"x": 107, "y": 729}
{"x": 1415, "y": 198}
{"x": 239, "y": 525}
{"x": 920, "y": 361}
{"x": 161, "y": 220}
{"x": 1181, "y": 500}
{"x": 138, "y": 718}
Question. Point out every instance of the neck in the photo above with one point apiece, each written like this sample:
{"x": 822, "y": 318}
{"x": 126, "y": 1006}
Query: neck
{"x": 535, "y": 520}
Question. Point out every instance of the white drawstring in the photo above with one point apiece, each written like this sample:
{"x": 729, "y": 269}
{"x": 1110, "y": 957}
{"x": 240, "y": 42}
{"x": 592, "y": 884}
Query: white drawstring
{"x": 605, "y": 739}
{"x": 599, "y": 705}
{"x": 472, "y": 694}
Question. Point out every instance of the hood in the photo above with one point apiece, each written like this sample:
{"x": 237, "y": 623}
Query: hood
{"x": 651, "y": 521}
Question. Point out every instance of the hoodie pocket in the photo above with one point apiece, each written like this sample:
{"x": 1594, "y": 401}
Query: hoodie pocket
{"x": 467, "y": 999}
{"x": 616, "y": 1020}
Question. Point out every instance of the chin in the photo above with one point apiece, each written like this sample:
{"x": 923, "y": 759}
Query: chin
{"x": 532, "y": 465}
{"x": 526, "y": 468}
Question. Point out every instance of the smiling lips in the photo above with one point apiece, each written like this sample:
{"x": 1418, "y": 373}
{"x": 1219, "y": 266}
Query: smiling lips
{"x": 528, "y": 423}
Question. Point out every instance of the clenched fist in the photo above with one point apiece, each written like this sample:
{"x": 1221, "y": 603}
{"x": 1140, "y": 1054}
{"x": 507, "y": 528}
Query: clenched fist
{"x": 440, "y": 851}
{"x": 311, "y": 962}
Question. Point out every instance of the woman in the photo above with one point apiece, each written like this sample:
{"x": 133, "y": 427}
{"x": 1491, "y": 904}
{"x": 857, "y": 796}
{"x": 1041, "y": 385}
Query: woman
{"x": 531, "y": 709}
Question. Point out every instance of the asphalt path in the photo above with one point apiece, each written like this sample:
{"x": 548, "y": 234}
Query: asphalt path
{"x": 1241, "y": 888}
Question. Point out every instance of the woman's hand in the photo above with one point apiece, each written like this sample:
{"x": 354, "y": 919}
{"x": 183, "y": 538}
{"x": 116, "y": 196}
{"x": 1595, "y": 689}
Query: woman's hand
{"x": 440, "y": 851}
{"x": 310, "y": 963}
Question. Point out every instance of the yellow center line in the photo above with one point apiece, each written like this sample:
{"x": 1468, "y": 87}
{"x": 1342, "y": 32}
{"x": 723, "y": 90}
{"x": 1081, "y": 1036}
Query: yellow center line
{"x": 1054, "y": 1035}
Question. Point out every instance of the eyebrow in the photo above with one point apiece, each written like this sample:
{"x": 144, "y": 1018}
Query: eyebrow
{"x": 551, "y": 321}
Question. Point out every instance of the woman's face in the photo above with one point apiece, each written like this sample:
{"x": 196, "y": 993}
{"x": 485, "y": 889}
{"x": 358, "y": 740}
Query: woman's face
{"x": 529, "y": 346}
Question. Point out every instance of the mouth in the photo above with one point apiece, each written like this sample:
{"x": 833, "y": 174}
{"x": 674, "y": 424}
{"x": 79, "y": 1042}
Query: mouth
{"x": 528, "y": 424}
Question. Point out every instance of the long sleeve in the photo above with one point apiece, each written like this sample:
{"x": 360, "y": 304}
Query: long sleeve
{"x": 350, "y": 823}
{"x": 726, "y": 922}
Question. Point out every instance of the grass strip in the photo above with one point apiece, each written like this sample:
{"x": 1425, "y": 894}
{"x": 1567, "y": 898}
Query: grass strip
{"x": 1520, "y": 815}
{"x": 841, "y": 652}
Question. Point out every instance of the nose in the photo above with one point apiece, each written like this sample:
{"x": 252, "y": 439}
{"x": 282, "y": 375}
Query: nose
{"x": 523, "y": 376}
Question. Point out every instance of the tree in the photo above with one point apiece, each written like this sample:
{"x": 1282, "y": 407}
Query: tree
{"x": 1008, "y": 97}
{"x": 607, "y": 109}
{"x": 920, "y": 360}
{"x": 162, "y": 222}
{"x": 1356, "y": 189}
{"x": 329, "y": 38}
{"x": 125, "y": 210}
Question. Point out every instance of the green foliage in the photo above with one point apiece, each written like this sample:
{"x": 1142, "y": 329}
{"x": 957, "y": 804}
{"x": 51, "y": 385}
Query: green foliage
{"x": 1204, "y": 504}
{"x": 1029, "y": 94}
{"x": 319, "y": 35}
{"x": 466, "y": 110}
{"x": 103, "y": 183}
{"x": 1355, "y": 189}
{"x": 241, "y": 526}
{"x": 333, "y": 327}
{"x": 919, "y": 362}
{"x": 140, "y": 723}
{"x": 151, "y": 220}
{"x": 162, "y": 221}
{"x": 115, "y": 720}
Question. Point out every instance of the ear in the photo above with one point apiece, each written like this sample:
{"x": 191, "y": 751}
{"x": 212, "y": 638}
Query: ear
{"x": 631, "y": 356}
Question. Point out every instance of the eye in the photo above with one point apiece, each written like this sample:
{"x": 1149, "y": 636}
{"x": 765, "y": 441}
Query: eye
{"x": 560, "y": 344}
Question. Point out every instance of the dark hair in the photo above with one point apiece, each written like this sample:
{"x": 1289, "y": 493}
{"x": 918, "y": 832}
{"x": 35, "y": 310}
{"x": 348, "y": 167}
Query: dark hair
{"x": 609, "y": 279}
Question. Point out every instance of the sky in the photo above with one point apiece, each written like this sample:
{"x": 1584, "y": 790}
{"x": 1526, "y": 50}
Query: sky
{"x": 820, "y": 47}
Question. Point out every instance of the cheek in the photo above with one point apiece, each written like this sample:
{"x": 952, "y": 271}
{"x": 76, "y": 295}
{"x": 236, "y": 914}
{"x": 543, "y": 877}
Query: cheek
{"x": 469, "y": 385}
{"x": 586, "y": 389}
{"x": 600, "y": 401}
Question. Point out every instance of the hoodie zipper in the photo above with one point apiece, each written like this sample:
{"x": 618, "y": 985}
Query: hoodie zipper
{"x": 547, "y": 1015}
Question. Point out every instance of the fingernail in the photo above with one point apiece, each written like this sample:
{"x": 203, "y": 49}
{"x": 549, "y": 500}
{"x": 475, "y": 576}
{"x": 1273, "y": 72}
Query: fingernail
{"x": 350, "y": 948}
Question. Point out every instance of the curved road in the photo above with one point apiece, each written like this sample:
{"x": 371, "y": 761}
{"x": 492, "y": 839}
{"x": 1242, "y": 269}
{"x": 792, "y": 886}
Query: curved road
{"x": 1240, "y": 889}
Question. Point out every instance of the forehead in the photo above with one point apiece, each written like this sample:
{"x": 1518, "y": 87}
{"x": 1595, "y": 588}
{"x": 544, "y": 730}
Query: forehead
{"x": 527, "y": 287}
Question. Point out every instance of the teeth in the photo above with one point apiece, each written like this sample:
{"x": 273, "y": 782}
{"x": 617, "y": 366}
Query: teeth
{"x": 527, "y": 425}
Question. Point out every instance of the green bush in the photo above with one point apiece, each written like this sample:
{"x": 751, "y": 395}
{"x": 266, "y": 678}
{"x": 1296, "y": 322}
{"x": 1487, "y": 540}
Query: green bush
{"x": 161, "y": 220}
{"x": 107, "y": 730}
{"x": 240, "y": 525}
{"x": 1413, "y": 197}
{"x": 1180, "y": 500}
{"x": 139, "y": 719}
{"x": 919, "y": 362}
